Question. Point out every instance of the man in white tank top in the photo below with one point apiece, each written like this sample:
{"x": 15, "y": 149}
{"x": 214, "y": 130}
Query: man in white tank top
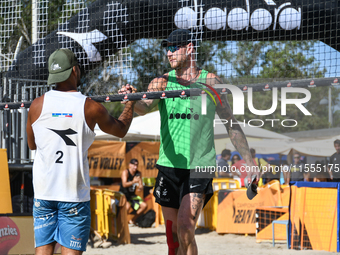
{"x": 60, "y": 128}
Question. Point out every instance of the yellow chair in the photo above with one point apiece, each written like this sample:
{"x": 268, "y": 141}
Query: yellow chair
{"x": 110, "y": 214}
{"x": 97, "y": 211}
{"x": 149, "y": 181}
{"x": 208, "y": 216}
{"x": 225, "y": 183}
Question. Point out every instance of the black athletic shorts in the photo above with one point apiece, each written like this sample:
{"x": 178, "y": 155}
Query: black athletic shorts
{"x": 172, "y": 184}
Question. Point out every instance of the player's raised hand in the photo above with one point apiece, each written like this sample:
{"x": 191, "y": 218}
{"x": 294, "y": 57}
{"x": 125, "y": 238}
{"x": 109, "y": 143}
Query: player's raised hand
{"x": 127, "y": 89}
{"x": 251, "y": 181}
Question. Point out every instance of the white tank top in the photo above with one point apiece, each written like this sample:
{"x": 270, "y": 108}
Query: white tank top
{"x": 62, "y": 136}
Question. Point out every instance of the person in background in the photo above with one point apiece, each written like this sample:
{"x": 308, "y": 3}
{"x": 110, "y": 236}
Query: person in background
{"x": 334, "y": 163}
{"x": 223, "y": 165}
{"x": 297, "y": 170}
{"x": 262, "y": 164}
{"x": 131, "y": 179}
{"x": 321, "y": 177}
{"x": 235, "y": 159}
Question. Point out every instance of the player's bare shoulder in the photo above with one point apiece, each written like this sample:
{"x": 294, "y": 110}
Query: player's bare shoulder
{"x": 159, "y": 83}
{"x": 37, "y": 102}
{"x": 36, "y": 108}
{"x": 93, "y": 108}
{"x": 213, "y": 79}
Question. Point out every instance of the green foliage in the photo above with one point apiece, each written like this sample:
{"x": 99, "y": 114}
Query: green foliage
{"x": 246, "y": 58}
{"x": 317, "y": 120}
{"x": 114, "y": 108}
{"x": 148, "y": 62}
{"x": 289, "y": 60}
{"x": 23, "y": 26}
{"x": 282, "y": 61}
{"x": 252, "y": 62}
{"x": 207, "y": 52}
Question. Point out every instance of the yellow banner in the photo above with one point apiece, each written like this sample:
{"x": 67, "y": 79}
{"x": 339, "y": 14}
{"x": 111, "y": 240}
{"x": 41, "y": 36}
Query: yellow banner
{"x": 266, "y": 215}
{"x": 237, "y": 214}
{"x": 313, "y": 215}
{"x": 107, "y": 158}
{"x": 5, "y": 189}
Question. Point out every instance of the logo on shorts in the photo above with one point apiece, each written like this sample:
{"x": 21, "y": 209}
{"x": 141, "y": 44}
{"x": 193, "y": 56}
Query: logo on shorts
{"x": 75, "y": 244}
{"x": 76, "y": 239}
{"x": 37, "y": 204}
{"x": 161, "y": 182}
{"x": 194, "y": 186}
{"x": 74, "y": 211}
{"x": 165, "y": 192}
{"x": 158, "y": 192}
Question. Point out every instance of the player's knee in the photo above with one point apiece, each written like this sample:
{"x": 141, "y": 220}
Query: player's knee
{"x": 185, "y": 232}
{"x": 143, "y": 205}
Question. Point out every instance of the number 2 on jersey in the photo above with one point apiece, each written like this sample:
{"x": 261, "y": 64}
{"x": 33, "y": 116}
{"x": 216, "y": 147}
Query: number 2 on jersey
{"x": 58, "y": 161}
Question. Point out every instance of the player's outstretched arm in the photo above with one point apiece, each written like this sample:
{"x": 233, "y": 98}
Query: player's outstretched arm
{"x": 145, "y": 106}
{"x": 235, "y": 132}
{"x": 97, "y": 113}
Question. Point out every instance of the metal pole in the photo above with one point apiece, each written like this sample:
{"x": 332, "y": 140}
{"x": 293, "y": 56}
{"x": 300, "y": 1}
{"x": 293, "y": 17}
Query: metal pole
{"x": 16, "y": 137}
{"x": 23, "y": 137}
{"x": 2, "y": 127}
{"x": 34, "y": 21}
{"x": 330, "y": 115}
{"x": 22, "y": 192}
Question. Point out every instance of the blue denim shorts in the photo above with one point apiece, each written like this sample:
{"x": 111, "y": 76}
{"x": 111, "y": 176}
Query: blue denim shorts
{"x": 64, "y": 222}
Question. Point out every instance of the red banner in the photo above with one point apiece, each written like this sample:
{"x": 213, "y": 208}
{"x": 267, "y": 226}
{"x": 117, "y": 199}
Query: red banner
{"x": 17, "y": 235}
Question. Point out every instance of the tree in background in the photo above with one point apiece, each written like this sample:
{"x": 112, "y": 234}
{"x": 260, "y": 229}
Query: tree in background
{"x": 16, "y": 21}
{"x": 249, "y": 62}
{"x": 283, "y": 61}
{"x": 148, "y": 62}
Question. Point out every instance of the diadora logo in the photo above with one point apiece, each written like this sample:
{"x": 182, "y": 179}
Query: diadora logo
{"x": 184, "y": 116}
{"x": 238, "y": 18}
{"x": 86, "y": 40}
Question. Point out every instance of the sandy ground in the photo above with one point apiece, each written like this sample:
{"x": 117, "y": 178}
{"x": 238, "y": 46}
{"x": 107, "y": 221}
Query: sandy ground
{"x": 152, "y": 241}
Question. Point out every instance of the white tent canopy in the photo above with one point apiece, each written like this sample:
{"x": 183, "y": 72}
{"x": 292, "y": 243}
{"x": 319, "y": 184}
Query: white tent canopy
{"x": 317, "y": 148}
{"x": 249, "y": 131}
{"x": 267, "y": 146}
{"x": 145, "y": 127}
{"x": 148, "y": 127}
{"x": 321, "y": 148}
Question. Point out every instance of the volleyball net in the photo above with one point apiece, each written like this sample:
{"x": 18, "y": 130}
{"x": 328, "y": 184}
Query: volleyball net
{"x": 118, "y": 42}
{"x": 257, "y": 45}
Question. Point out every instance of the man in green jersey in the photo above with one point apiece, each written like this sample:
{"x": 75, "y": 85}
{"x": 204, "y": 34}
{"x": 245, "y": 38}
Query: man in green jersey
{"x": 187, "y": 141}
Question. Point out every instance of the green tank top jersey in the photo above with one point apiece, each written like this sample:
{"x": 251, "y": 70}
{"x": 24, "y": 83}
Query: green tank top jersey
{"x": 187, "y": 136}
